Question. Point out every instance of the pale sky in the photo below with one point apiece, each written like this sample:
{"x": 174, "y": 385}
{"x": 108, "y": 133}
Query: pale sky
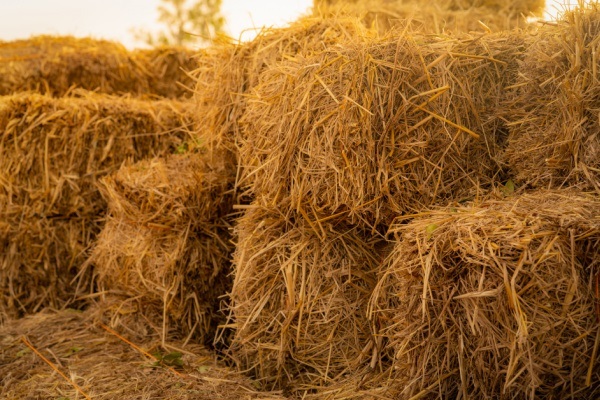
{"x": 114, "y": 19}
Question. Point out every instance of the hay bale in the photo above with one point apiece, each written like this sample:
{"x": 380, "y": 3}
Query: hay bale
{"x": 166, "y": 239}
{"x": 106, "y": 367}
{"x": 299, "y": 299}
{"x": 52, "y": 153}
{"x": 227, "y": 72}
{"x": 516, "y": 6}
{"x": 553, "y": 112}
{"x": 438, "y": 16}
{"x": 55, "y": 65}
{"x": 168, "y": 70}
{"x": 495, "y": 300}
{"x": 378, "y": 128}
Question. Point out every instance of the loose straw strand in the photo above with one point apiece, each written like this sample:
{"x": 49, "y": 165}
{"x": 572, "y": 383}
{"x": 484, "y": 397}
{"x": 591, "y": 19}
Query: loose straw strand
{"x": 55, "y": 368}
{"x": 136, "y": 347}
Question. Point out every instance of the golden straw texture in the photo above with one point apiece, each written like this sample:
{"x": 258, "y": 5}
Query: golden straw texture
{"x": 299, "y": 300}
{"x": 227, "y": 72}
{"x": 495, "y": 300}
{"x": 553, "y": 111}
{"x": 436, "y": 16}
{"x": 52, "y": 153}
{"x": 105, "y": 366}
{"x": 56, "y": 65}
{"x": 375, "y": 128}
{"x": 166, "y": 237}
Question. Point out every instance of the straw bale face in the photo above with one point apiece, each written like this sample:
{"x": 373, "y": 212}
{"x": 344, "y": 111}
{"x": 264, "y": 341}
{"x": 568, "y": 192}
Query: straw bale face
{"x": 55, "y": 65}
{"x": 52, "y": 153}
{"x": 374, "y": 128}
{"x": 54, "y": 150}
{"x": 299, "y": 300}
{"x": 39, "y": 259}
{"x": 168, "y": 70}
{"x": 166, "y": 237}
{"x": 495, "y": 300}
{"x": 553, "y": 113}
{"x": 227, "y": 72}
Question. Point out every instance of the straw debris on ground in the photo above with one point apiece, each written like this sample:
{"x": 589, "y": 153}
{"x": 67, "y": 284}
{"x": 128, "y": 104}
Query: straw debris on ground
{"x": 166, "y": 238}
{"x": 105, "y": 366}
{"x": 54, "y": 65}
{"x": 495, "y": 300}
{"x": 52, "y": 153}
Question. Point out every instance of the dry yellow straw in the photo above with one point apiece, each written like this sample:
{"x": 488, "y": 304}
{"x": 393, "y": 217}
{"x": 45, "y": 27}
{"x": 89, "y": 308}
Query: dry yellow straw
{"x": 54, "y": 367}
{"x": 144, "y": 352}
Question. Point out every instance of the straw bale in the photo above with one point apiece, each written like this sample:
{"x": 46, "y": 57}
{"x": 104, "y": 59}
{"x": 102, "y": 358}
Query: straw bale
{"x": 517, "y": 6}
{"x": 166, "y": 239}
{"x": 55, "y": 65}
{"x": 227, "y": 72}
{"x": 495, "y": 300}
{"x": 553, "y": 112}
{"x": 298, "y": 302}
{"x": 106, "y": 367}
{"x": 52, "y": 153}
{"x": 168, "y": 70}
{"x": 438, "y": 16}
{"x": 370, "y": 129}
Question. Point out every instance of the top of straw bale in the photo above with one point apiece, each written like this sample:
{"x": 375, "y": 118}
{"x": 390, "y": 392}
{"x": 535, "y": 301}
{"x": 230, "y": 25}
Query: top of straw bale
{"x": 517, "y": 6}
{"x": 228, "y": 72}
{"x": 553, "y": 110}
{"x": 173, "y": 191}
{"x": 55, "y": 65}
{"x": 437, "y": 16}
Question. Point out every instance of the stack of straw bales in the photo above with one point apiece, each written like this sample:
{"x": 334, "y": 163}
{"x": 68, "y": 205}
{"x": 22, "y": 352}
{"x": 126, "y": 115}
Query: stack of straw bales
{"x": 52, "y": 152}
{"x": 555, "y": 134}
{"x": 54, "y": 65}
{"x": 335, "y": 143}
{"x": 105, "y": 366}
{"x": 166, "y": 239}
{"x": 371, "y": 129}
{"x": 495, "y": 300}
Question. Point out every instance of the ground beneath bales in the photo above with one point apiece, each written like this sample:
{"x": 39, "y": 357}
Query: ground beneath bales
{"x": 99, "y": 362}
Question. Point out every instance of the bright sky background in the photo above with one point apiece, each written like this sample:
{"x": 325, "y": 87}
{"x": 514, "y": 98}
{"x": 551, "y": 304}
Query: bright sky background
{"x": 114, "y": 19}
